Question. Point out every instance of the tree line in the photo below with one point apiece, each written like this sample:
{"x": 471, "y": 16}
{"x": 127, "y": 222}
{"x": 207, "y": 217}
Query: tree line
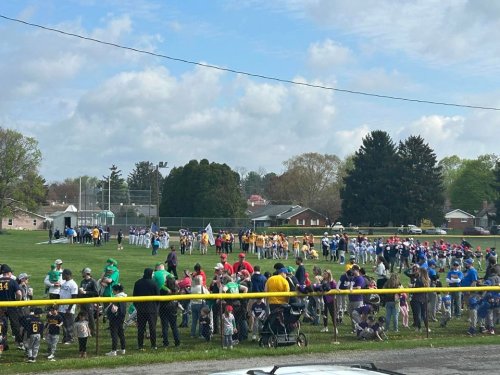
{"x": 383, "y": 183}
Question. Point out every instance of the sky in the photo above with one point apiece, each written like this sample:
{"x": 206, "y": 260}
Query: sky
{"x": 91, "y": 105}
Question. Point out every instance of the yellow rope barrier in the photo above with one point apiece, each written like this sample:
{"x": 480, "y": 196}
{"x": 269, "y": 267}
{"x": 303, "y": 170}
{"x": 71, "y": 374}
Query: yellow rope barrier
{"x": 179, "y": 297}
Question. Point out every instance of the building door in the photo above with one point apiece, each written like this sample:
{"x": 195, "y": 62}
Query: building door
{"x": 67, "y": 222}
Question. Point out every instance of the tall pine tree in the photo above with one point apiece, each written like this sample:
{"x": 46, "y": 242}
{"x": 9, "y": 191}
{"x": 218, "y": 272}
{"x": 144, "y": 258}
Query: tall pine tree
{"x": 421, "y": 191}
{"x": 368, "y": 196}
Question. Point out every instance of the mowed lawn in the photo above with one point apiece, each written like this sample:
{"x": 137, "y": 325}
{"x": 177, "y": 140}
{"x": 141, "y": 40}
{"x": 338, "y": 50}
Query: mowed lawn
{"x": 20, "y": 251}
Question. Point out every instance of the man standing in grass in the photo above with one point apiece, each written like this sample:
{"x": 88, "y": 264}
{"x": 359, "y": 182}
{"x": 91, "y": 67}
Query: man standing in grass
{"x": 277, "y": 283}
{"x": 147, "y": 312}
{"x": 10, "y": 291}
{"x": 69, "y": 290}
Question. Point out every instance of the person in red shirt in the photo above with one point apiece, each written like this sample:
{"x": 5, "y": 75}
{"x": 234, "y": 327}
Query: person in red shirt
{"x": 242, "y": 264}
{"x": 199, "y": 271}
{"x": 227, "y": 267}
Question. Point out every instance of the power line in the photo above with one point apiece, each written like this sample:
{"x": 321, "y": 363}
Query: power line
{"x": 249, "y": 74}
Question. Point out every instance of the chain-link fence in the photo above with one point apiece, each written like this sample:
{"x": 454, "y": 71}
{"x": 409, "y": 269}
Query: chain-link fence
{"x": 56, "y": 329}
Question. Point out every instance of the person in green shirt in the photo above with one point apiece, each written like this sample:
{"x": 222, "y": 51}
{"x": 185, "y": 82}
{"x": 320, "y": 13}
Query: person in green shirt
{"x": 160, "y": 275}
{"x": 111, "y": 277}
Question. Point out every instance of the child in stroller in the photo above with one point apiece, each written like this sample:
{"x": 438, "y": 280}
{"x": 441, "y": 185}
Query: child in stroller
{"x": 282, "y": 327}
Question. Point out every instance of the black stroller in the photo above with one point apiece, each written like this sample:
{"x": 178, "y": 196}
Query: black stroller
{"x": 282, "y": 327}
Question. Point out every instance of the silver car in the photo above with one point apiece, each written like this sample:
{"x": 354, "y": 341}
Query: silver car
{"x": 313, "y": 369}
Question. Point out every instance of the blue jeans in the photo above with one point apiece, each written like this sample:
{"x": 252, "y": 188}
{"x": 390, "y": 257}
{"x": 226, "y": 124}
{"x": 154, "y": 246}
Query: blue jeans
{"x": 456, "y": 304}
{"x": 391, "y": 312}
{"x": 195, "y": 318}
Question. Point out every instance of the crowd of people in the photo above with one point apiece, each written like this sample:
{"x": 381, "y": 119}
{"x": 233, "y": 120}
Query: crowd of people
{"x": 240, "y": 319}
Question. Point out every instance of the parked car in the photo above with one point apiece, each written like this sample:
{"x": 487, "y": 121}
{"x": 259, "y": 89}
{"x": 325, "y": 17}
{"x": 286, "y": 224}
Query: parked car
{"x": 338, "y": 227}
{"x": 410, "y": 229}
{"x": 313, "y": 369}
{"x": 495, "y": 229}
{"x": 435, "y": 231}
{"x": 475, "y": 231}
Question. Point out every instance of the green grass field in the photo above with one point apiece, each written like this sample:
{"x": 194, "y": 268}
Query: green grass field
{"x": 19, "y": 250}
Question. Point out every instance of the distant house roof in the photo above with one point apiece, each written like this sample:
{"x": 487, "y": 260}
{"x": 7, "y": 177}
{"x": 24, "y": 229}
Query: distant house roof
{"x": 272, "y": 211}
{"x": 29, "y": 213}
{"x": 255, "y": 197}
{"x": 458, "y": 214}
{"x": 71, "y": 208}
{"x": 489, "y": 210}
{"x": 280, "y": 212}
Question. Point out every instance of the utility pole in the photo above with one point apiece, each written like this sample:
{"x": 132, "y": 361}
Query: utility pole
{"x": 161, "y": 164}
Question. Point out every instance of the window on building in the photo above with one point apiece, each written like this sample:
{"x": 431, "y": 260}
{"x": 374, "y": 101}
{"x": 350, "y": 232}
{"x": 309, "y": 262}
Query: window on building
{"x": 9, "y": 222}
{"x": 34, "y": 222}
{"x": 463, "y": 220}
{"x": 314, "y": 222}
{"x": 301, "y": 222}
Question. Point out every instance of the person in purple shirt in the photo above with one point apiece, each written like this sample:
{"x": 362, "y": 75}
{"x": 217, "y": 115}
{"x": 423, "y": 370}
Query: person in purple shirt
{"x": 356, "y": 300}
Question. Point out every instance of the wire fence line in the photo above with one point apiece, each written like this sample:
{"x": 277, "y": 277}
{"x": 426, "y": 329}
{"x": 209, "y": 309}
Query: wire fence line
{"x": 167, "y": 307}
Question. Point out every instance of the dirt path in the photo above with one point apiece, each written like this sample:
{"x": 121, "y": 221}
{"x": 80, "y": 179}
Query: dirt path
{"x": 436, "y": 361}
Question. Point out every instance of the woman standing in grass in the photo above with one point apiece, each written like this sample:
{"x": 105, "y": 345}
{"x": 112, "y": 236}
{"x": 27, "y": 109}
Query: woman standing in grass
{"x": 417, "y": 302}
{"x": 392, "y": 303}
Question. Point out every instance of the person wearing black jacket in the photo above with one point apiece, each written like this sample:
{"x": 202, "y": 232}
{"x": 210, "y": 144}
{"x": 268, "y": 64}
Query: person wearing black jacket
{"x": 168, "y": 312}
{"x": 115, "y": 313}
{"x": 147, "y": 312}
{"x": 88, "y": 289}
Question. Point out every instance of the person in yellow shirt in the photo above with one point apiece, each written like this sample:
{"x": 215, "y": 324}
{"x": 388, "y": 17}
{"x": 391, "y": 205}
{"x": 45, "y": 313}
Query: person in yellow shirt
{"x": 204, "y": 242}
{"x": 252, "y": 239}
{"x": 352, "y": 261}
{"x": 296, "y": 247}
{"x": 277, "y": 283}
{"x": 95, "y": 235}
{"x": 260, "y": 243}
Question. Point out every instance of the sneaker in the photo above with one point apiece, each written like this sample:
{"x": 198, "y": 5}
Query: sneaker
{"x": 67, "y": 343}
{"x": 471, "y": 331}
{"x": 122, "y": 351}
{"x": 51, "y": 356}
{"x": 254, "y": 337}
{"x": 231, "y": 347}
{"x": 325, "y": 329}
{"x": 491, "y": 331}
{"x": 52, "y": 360}
{"x": 111, "y": 353}
{"x": 20, "y": 347}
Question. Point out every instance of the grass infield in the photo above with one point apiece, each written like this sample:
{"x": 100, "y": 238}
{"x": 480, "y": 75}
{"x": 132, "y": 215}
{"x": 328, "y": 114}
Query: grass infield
{"x": 19, "y": 250}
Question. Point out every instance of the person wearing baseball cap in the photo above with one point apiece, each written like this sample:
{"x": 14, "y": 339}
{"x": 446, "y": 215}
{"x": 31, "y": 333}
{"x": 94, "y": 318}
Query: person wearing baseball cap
{"x": 227, "y": 266}
{"x": 242, "y": 264}
{"x": 454, "y": 279}
{"x": 277, "y": 283}
{"x": 228, "y": 327}
{"x": 88, "y": 288}
{"x": 11, "y": 291}
{"x": 26, "y": 290}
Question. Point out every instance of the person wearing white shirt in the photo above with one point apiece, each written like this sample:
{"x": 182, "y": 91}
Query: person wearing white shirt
{"x": 69, "y": 290}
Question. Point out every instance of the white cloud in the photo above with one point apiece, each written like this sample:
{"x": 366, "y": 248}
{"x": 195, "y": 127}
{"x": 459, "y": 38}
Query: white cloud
{"x": 149, "y": 115}
{"x": 328, "y": 53}
{"x": 262, "y": 99}
{"x": 440, "y": 32}
{"x": 348, "y": 141}
{"x": 381, "y": 80}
